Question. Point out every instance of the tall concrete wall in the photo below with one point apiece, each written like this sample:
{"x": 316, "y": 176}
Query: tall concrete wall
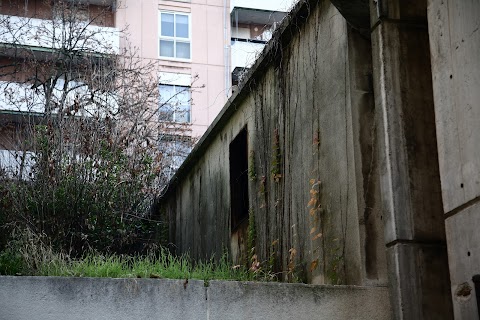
{"x": 455, "y": 50}
{"x": 364, "y": 175}
{"x": 313, "y": 176}
{"x": 52, "y": 298}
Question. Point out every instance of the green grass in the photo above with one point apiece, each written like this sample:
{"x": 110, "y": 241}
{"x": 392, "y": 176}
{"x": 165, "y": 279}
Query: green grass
{"x": 29, "y": 254}
{"x": 160, "y": 265}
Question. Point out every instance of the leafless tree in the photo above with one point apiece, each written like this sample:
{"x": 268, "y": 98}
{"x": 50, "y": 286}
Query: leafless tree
{"x": 83, "y": 151}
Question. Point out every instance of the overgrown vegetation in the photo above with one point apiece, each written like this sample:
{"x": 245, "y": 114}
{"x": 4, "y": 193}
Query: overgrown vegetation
{"x": 85, "y": 157}
{"x": 97, "y": 202}
{"x": 27, "y": 254}
{"x": 161, "y": 265}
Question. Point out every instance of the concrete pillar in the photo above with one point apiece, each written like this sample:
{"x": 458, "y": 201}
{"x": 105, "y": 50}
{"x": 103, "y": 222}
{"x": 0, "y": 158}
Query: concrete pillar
{"x": 410, "y": 182}
{"x": 455, "y": 50}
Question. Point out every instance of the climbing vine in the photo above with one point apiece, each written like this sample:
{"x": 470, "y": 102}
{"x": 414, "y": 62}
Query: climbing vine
{"x": 252, "y": 234}
{"x": 314, "y": 213}
{"x": 276, "y": 157}
{"x": 252, "y": 172}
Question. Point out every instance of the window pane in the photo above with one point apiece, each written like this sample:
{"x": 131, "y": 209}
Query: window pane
{"x": 179, "y": 89}
{"x": 183, "y": 94}
{"x": 166, "y": 48}
{"x": 182, "y": 26}
{"x": 175, "y": 150}
{"x": 165, "y": 107}
{"x": 59, "y": 84}
{"x": 174, "y": 103}
{"x": 166, "y": 93}
{"x": 166, "y": 113}
{"x": 183, "y": 50}
{"x": 182, "y": 113}
{"x": 182, "y": 149}
{"x": 167, "y": 24}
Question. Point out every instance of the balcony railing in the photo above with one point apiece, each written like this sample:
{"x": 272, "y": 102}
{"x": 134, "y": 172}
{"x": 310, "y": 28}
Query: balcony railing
{"x": 244, "y": 53}
{"x": 284, "y": 5}
{"x": 95, "y": 2}
{"x": 16, "y": 164}
{"x": 20, "y": 98}
{"x": 44, "y": 35}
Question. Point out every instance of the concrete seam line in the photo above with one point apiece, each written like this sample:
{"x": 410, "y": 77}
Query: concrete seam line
{"x": 462, "y": 207}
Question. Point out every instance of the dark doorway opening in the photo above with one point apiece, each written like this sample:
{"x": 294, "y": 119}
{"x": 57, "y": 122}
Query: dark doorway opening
{"x": 476, "y": 282}
{"x": 238, "y": 156}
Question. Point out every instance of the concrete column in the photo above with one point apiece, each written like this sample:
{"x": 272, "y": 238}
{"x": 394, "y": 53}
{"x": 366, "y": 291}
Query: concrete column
{"x": 455, "y": 50}
{"x": 410, "y": 183}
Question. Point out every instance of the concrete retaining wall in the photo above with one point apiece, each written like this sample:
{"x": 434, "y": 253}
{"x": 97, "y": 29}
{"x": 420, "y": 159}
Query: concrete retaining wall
{"x": 44, "y": 298}
{"x": 312, "y": 178}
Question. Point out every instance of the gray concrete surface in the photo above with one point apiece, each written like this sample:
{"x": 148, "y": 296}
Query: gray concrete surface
{"x": 464, "y": 257}
{"x": 455, "y": 51}
{"x": 53, "y": 298}
{"x": 392, "y": 172}
{"x": 410, "y": 178}
{"x": 322, "y": 129}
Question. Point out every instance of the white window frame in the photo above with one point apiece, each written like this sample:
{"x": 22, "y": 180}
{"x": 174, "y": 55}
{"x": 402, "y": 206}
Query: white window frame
{"x": 174, "y": 38}
{"x": 175, "y": 112}
{"x": 179, "y": 80}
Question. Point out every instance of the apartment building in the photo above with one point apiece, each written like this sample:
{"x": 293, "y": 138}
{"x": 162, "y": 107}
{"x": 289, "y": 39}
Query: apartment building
{"x": 200, "y": 43}
{"x": 252, "y": 24}
{"x": 45, "y": 49}
{"x": 189, "y": 39}
{"x": 201, "y": 48}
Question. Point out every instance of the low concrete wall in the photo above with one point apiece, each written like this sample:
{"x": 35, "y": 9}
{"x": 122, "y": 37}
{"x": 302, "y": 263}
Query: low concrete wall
{"x": 44, "y": 298}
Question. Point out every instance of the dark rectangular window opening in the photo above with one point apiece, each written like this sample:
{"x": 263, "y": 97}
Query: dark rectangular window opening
{"x": 238, "y": 156}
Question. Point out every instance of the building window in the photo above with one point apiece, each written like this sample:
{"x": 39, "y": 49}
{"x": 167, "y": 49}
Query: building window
{"x": 174, "y": 34}
{"x": 174, "y": 150}
{"x": 175, "y": 103}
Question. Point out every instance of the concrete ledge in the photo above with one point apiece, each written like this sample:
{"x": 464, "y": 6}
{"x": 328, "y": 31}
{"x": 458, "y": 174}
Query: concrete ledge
{"x": 257, "y": 300}
{"x": 45, "y": 298}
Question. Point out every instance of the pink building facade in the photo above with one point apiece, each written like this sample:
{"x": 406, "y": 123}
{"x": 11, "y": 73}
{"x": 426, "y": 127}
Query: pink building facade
{"x": 190, "y": 40}
{"x": 197, "y": 45}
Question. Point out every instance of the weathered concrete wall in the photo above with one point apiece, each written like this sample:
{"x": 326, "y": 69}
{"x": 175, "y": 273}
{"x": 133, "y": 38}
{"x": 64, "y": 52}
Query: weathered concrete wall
{"x": 455, "y": 51}
{"x": 52, "y": 298}
{"x": 338, "y": 177}
{"x": 313, "y": 176}
{"x": 410, "y": 180}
